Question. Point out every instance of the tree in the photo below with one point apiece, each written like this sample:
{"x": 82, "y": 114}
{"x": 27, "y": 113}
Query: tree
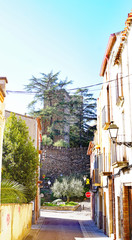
{"x": 20, "y": 158}
{"x": 12, "y": 192}
{"x": 83, "y": 111}
{"x": 50, "y": 102}
{"x": 68, "y": 187}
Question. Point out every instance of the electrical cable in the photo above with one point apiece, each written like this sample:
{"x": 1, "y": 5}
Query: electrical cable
{"x": 89, "y": 86}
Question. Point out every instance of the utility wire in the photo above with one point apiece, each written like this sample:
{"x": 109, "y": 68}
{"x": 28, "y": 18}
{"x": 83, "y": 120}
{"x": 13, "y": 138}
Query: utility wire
{"x": 89, "y": 86}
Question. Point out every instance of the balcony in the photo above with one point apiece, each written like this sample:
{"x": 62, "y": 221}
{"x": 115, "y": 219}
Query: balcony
{"x": 96, "y": 180}
{"x": 105, "y": 173}
{"x": 102, "y": 172}
{"x": 120, "y": 101}
{"x": 105, "y": 117}
{"x": 120, "y": 164}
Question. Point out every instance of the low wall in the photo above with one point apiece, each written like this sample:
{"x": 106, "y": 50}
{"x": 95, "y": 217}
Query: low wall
{"x": 16, "y": 220}
{"x": 61, "y": 208}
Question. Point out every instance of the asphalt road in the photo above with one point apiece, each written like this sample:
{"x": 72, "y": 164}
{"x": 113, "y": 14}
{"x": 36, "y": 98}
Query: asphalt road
{"x": 66, "y": 225}
{"x": 59, "y": 229}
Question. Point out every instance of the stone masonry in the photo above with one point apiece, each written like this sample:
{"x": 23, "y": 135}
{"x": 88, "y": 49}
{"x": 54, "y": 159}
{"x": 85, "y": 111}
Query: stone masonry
{"x": 57, "y": 161}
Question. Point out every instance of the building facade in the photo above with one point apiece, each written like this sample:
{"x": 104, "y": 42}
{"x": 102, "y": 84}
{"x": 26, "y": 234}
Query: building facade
{"x": 114, "y": 157}
{"x": 34, "y": 128}
{"x": 3, "y": 82}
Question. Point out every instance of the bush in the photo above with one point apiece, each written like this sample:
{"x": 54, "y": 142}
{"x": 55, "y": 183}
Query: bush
{"x": 12, "y": 192}
{"x": 71, "y": 203}
{"x": 46, "y": 141}
{"x": 61, "y": 143}
{"x": 49, "y": 204}
{"x": 42, "y": 201}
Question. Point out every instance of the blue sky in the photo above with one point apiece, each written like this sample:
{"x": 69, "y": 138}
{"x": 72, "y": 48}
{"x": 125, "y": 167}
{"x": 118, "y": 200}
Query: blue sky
{"x": 69, "y": 36}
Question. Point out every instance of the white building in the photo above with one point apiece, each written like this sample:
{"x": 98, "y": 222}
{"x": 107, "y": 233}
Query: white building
{"x": 115, "y": 104}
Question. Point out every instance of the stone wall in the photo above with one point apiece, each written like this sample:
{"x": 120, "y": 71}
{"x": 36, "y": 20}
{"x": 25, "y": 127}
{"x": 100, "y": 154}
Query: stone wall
{"x": 64, "y": 161}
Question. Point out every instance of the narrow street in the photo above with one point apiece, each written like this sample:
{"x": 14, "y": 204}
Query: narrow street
{"x": 68, "y": 225}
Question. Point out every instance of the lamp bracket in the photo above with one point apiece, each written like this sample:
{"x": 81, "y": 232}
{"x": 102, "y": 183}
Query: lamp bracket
{"x": 127, "y": 144}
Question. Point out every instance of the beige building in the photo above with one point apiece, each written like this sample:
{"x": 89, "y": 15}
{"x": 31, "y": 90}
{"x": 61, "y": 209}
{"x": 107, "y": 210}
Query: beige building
{"x": 114, "y": 193}
{"x": 3, "y": 81}
{"x": 34, "y": 128}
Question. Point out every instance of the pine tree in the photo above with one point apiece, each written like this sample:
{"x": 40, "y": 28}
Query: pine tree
{"x": 83, "y": 110}
{"x": 51, "y": 102}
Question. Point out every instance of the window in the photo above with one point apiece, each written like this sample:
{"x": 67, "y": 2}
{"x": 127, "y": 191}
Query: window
{"x": 119, "y": 88}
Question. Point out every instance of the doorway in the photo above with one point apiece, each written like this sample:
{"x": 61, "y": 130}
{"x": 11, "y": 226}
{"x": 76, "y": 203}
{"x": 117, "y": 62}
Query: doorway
{"x": 130, "y": 210}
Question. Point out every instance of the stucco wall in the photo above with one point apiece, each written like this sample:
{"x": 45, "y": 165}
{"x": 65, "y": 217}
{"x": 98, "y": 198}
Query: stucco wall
{"x": 31, "y": 124}
{"x": 15, "y": 221}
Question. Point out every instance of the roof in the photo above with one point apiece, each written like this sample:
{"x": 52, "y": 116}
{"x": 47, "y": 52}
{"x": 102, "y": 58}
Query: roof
{"x": 4, "y": 78}
{"x": 124, "y": 34}
{"x": 110, "y": 45}
{"x": 90, "y": 147}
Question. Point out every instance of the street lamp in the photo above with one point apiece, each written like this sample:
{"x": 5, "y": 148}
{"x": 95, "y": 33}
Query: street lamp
{"x": 49, "y": 183}
{"x": 113, "y": 132}
{"x": 84, "y": 178}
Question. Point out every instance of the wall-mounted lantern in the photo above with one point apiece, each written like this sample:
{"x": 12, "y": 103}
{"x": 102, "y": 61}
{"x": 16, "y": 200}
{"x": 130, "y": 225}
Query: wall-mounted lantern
{"x": 113, "y": 132}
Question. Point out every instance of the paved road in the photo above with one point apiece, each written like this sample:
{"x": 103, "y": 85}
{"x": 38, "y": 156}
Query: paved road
{"x": 59, "y": 229}
{"x": 66, "y": 225}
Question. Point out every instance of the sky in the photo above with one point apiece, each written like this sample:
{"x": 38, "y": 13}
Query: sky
{"x": 66, "y": 36}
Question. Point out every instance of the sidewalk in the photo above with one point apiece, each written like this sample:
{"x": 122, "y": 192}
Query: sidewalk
{"x": 34, "y": 230}
{"x": 90, "y": 230}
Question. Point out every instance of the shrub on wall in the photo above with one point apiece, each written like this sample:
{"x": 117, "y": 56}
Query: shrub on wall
{"x": 46, "y": 141}
{"x": 61, "y": 143}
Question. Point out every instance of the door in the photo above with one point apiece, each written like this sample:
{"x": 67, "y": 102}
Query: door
{"x": 130, "y": 210}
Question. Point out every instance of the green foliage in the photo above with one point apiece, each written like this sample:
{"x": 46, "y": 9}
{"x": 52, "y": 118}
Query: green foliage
{"x": 83, "y": 111}
{"x": 71, "y": 203}
{"x": 20, "y": 158}
{"x": 46, "y": 141}
{"x": 12, "y": 192}
{"x": 42, "y": 201}
{"x": 61, "y": 143}
{"x": 49, "y": 102}
{"x": 59, "y": 204}
{"x": 68, "y": 187}
{"x": 57, "y": 109}
{"x": 49, "y": 204}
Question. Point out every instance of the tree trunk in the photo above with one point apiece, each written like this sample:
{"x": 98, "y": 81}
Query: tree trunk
{"x": 68, "y": 199}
